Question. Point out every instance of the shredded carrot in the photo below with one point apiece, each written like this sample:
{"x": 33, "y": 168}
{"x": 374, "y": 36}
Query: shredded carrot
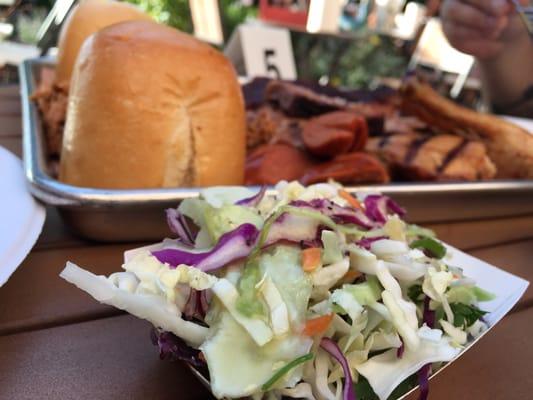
{"x": 350, "y": 199}
{"x": 350, "y": 276}
{"x": 317, "y": 325}
{"x": 311, "y": 258}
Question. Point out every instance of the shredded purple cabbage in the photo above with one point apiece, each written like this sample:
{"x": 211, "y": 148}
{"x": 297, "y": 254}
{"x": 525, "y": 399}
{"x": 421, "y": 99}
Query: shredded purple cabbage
{"x": 428, "y": 314}
{"x": 424, "y": 372}
{"x": 367, "y": 242}
{"x": 238, "y": 243}
{"x": 178, "y": 224}
{"x": 339, "y": 214}
{"x": 306, "y": 244}
{"x": 358, "y": 218}
{"x": 333, "y": 349}
{"x": 401, "y": 349}
{"x": 377, "y": 207}
{"x": 189, "y": 310}
{"x": 203, "y": 306}
{"x": 254, "y": 200}
{"x": 232, "y": 246}
{"x": 173, "y": 348}
{"x": 317, "y": 241}
{"x": 395, "y": 207}
{"x": 197, "y": 305}
{"x": 423, "y": 381}
{"x": 293, "y": 229}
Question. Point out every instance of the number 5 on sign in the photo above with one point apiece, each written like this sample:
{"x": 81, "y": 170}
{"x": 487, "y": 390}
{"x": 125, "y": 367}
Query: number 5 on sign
{"x": 258, "y": 50}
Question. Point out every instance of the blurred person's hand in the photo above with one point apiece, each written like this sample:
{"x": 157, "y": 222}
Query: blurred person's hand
{"x": 482, "y": 28}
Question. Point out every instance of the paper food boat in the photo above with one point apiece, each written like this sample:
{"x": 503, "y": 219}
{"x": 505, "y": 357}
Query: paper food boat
{"x": 507, "y": 288}
{"x": 21, "y": 216}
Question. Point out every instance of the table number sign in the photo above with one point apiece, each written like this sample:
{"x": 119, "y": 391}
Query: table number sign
{"x": 259, "y": 50}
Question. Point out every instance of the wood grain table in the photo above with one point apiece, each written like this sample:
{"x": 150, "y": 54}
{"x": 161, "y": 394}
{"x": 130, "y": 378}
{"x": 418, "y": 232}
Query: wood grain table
{"x": 58, "y": 343}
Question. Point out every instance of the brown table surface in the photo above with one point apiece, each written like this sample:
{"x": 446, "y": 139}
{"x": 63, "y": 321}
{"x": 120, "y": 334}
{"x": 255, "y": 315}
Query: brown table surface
{"x": 58, "y": 343}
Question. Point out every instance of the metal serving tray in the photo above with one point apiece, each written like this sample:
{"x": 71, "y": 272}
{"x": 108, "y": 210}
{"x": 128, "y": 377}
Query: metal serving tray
{"x": 128, "y": 215}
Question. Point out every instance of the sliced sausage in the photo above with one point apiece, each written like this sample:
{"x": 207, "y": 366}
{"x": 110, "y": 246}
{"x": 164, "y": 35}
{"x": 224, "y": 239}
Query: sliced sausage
{"x": 348, "y": 168}
{"x": 269, "y": 164}
{"x": 335, "y": 133}
{"x": 339, "y": 119}
{"x": 323, "y": 141}
{"x": 361, "y": 135}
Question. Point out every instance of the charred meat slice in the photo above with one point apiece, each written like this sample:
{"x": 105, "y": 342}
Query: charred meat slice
{"x": 254, "y": 92}
{"x": 415, "y": 156}
{"x": 297, "y": 101}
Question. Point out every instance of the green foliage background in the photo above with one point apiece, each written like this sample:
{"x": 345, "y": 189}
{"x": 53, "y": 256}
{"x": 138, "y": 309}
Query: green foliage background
{"x": 351, "y": 62}
{"x": 174, "y": 13}
{"x": 177, "y": 13}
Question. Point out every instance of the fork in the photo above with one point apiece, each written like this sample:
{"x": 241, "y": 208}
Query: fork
{"x": 526, "y": 15}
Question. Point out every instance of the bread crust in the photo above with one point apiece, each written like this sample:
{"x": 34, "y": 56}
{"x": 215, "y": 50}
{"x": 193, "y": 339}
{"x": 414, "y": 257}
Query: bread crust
{"x": 152, "y": 107}
{"x": 87, "y": 17}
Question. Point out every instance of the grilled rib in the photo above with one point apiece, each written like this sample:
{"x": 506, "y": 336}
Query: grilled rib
{"x": 416, "y": 156}
{"x": 508, "y": 145}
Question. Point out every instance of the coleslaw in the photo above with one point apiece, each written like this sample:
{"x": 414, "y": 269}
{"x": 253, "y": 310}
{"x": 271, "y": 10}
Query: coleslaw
{"x": 310, "y": 292}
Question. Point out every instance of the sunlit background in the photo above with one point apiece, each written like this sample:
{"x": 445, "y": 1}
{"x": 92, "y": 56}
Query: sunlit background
{"x": 349, "y": 43}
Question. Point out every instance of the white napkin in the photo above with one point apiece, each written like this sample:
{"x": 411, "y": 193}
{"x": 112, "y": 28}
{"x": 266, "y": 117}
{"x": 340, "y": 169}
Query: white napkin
{"x": 21, "y": 216}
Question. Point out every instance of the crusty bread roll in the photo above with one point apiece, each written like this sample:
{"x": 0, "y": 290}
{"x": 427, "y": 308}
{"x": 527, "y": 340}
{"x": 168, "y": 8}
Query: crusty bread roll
{"x": 152, "y": 107}
{"x": 87, "y": 17}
